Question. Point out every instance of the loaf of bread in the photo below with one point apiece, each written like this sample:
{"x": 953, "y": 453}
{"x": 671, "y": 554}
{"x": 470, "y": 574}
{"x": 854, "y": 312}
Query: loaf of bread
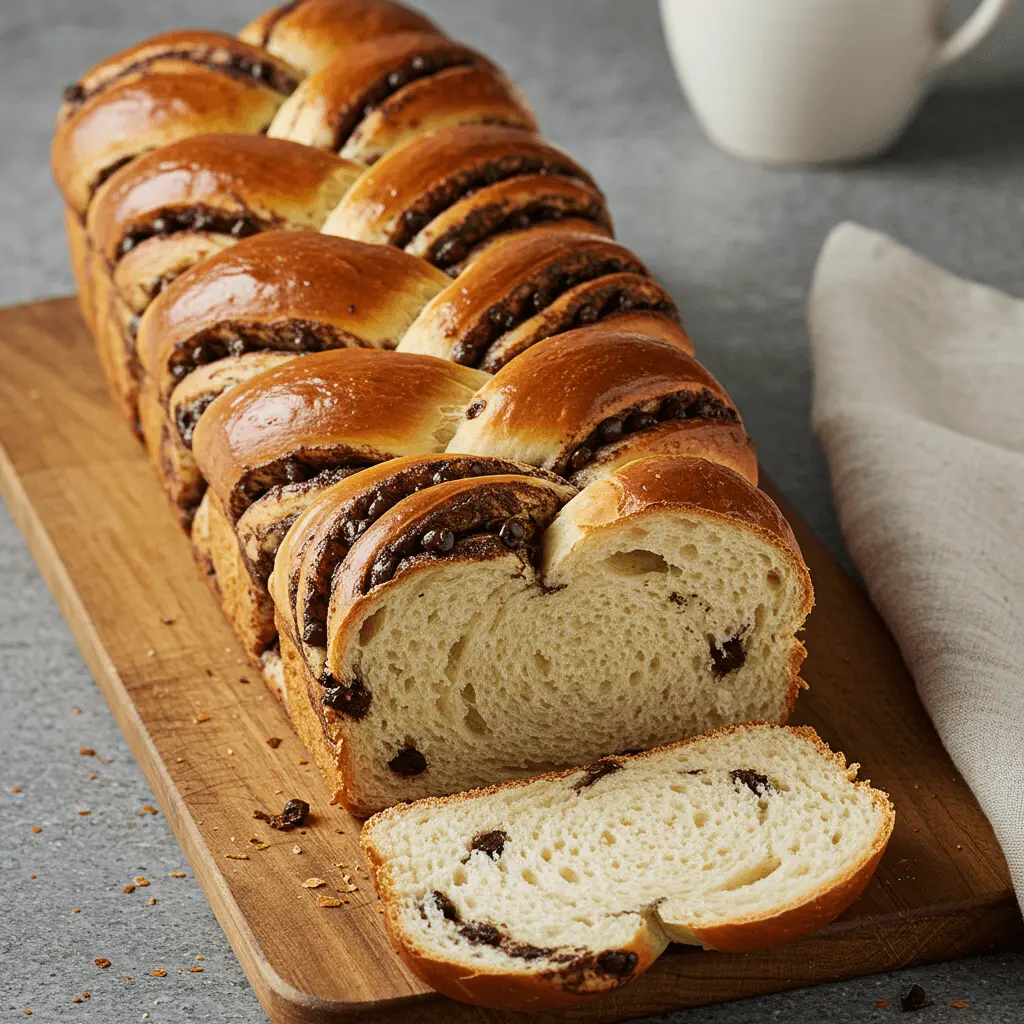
{"x": 540, "y": 894}
{"x": 443, "y": 448}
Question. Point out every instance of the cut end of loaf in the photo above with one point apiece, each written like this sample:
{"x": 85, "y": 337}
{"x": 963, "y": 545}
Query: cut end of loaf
{"x": 541, "y": 893}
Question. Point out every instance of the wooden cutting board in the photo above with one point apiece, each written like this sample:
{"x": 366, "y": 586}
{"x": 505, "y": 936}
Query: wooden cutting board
{"x": 83, "y": 494}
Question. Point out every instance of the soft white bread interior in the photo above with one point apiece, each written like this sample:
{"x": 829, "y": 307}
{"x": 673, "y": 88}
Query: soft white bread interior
{"x": 539, "y": 894}
{"x": 660, "y": 602}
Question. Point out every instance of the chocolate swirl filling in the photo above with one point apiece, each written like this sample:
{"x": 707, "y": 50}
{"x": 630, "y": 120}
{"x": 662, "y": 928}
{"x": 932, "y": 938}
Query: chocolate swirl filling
{"x": 241, "y": 66}
{"x": 681, "y": 405}
{"x": 484, "y": 523}
{"x": 576, "y": 966}
{"x": 453, "y": 247}
{"x": 470, "y": 180}
{"x": 237, "y": 338}
{"x": 411, "y": 69}
{"x": 365, "y": 509}
{"x": 536, "y": 294}
{"x": 166, "y": 222}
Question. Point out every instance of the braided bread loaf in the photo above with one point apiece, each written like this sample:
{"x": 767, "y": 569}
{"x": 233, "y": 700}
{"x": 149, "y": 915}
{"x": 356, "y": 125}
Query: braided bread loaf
{"x": 441, "y": 444}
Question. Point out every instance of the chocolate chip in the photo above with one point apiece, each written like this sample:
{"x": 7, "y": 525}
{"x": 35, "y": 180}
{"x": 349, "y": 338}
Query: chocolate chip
{"x": 293, "y": 815}
{"x": 580, "y": 458}
{"x": 381, "y": 503}
{"x": 126, "y": 246}
{"x": 383, "y": 570}
{"x": 625, "y": 303}
{"x": 352, "y": 700}
{"x": 915, "y": 998}
{"x": 449, "y": 911}
{"x": 438, "y": 541}
{"x": 74, "y": 93}
{"x": 511, "y": 533}
{"x": 480, "y": 934}
{"x": 757, "y": 783}
{"x": 355, "y": 528}
{"x": 408, "y": 762}
{"x": 419, "y": 63}
{"x": 641, "y": 421}
{"x": 610, "y": 429}
{"x": 160, "y": 226}
{"x": 727, "y": 658}
{"x": 133, "y": 326}
{"x": 595, "y": 771}
{"x": 617, "y": 962}
{"x": 672, "y": 409}
{"x": 475, "y": 408}
{"x": 476, "y": 469}
{"x": 491, "y": 843}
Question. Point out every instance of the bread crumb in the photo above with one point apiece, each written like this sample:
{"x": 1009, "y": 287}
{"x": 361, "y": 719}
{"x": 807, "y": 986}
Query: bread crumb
{"x": 77, "y": 711}
{"x": 882, "y": 1004}
{"x": 313, "y": 883}
{"x": 273, "y": 742}
{"x": 302, "y": 760}
{"x": 150, "y": 653}
{"x": 196, "y": 970}
{"x": 128, "y": 888}
{"x": 15, "y": 789}
{"x": 37, "y": 829}
{"x": 148, "y": 809}
{"x": 76, "y": 999}
{"x": 84, "y": 813}
{"x": 141, "y": 880}
{"x": 179, "y": 760}
{"x": 76, "y": 910}
{"x": 959, "y": 1004}
{"x": 127, "y": 977}
{"x": 152, "y": 900}
{"x": 296, "y": 849}
{"x": 257, "y": 845}
{"x": 323, "y": 900}
{"x": 200, "y": 718}
{"x": 28, "y": 1013}
{"x": 102, "y": 962}
{"x": 167, "y": 620}
{"x": 91, "y": 777}
{"x": 159, "y": 972}
{"x": 87, "y": 751}
{"x": 237, "y": 856}
{"x": 200, "y": 957}
{"x": 176, "y": 874}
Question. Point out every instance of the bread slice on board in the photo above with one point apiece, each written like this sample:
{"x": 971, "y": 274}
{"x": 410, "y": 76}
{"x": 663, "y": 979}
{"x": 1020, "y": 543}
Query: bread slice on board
{"x": 543, "y": 893}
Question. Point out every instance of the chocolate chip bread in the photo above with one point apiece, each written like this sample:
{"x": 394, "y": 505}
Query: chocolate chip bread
{"x": 442, "y": 446}
{"x": 540, "y": 894}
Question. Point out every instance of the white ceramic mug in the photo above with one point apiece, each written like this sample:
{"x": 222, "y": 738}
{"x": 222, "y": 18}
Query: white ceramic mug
{"x": 812, "y": 81}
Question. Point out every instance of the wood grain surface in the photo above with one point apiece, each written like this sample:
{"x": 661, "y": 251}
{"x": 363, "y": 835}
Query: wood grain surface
{"x": 85, "y": 497}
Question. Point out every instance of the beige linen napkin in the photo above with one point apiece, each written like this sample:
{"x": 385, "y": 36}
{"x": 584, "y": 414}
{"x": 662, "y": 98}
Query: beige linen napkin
{"x": 919, "y": 405}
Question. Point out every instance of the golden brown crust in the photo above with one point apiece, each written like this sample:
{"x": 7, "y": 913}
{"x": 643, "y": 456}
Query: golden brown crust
{"x": 311, "y": 33}
{"x": 345, "y": 407}
{"x": 536, "y": 285}
{"x": 234, "y": 183}
{"x": 411, "y": 186}
{"x": 302, "y": 291}
{"x": 386, "y": 90}
{"x": 167, "y": 88}
{"x": 553, "y": 406}
{"x": 248, "y": 608}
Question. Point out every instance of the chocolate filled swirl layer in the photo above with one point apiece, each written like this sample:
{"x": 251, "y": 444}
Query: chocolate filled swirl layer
{"x": 356, "y": 516}
{"x": 536, "y": 294}
{"x": 243, "y": 65}
{"x": 237, "y": 338}
{"x": 166, "y": 222}
{"x": 412, "y": 68}
{"x": 471, "y": 180}
{"x": 453, "y": 247}
{"x": 696, "y": 404}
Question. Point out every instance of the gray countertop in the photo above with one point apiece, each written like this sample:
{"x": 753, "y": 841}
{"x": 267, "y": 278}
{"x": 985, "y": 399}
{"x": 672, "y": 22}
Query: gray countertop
{"x": 734, "y": 243}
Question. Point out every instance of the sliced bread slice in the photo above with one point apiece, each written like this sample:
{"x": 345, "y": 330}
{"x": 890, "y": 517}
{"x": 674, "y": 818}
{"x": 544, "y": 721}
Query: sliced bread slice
{"x": 541, "y": 893}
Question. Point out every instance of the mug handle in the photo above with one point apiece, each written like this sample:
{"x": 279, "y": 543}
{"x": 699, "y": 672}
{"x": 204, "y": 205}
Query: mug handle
{"x": 971, "y": 32}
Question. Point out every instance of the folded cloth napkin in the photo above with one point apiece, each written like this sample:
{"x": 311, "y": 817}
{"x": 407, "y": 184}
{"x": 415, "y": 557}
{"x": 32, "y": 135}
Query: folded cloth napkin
{"x": 919, "y": 406}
